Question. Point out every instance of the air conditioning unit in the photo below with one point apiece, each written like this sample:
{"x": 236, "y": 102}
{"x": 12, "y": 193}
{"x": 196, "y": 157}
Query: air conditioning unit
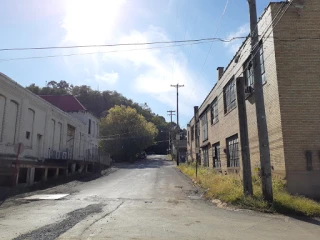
{"x": 248, "y": 90}
{"x": 64, "y": 155}
{"x": 58, "y": 155}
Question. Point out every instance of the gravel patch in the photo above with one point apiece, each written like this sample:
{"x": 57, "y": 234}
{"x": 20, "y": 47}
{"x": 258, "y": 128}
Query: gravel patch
{"x": 52, "y": 231}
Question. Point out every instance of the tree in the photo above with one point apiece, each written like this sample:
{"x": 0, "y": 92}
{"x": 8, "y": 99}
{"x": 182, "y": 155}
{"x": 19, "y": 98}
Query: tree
{"x": 126, "y": 133}
{"x": 99, "y": 104}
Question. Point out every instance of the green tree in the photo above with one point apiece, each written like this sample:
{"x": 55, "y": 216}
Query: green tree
{"x": 126, "y": 132}
{"x": 99, "y": 103}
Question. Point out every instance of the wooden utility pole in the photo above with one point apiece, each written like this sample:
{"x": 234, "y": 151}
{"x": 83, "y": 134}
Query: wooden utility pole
{"x": 266, "y": 177}
{"x": 177, "y": 86}
{"x": 170, "y": 113}
{"x": 244, "y": 139}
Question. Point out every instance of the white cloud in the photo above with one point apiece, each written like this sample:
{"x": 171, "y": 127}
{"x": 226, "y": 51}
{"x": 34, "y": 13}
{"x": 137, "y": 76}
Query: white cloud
{"x": 156, "y": 69}
{"x": 109, "y": 78}
{"x": 234, "y": 45}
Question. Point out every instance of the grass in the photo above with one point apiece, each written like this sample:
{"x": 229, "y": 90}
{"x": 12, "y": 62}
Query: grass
{"x": 229, "y": 189}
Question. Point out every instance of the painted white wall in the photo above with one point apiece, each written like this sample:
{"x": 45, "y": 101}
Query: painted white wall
{"x": 22, "y": 111}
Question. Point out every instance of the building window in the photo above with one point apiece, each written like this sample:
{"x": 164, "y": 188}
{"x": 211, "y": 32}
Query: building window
{"x": 205, "y": 157}
{"x": 93, "y": 129}
{"x": 2, "y": 111}
{"x": 214, "y": 111}
{"x": 53, "y": 129}
{"x": 97, "y": 130}
{"x": 192, "y": 133}
{"x": 233, "y": 151}
{"x": 229, "y": 96}
{"x": 27, "y": 135}
{"x": 248, "y": 72}
{"x": 249, "y": 69}
{"x": 263, "y": 71}
{"x": 30, "y": 126}
{"x": 216, "y": 155}
{"x": 59, "y": 132}
{"x": 12, "y": 121}
{"x": 89, "y": 128}
{"x": 204, "y": 124}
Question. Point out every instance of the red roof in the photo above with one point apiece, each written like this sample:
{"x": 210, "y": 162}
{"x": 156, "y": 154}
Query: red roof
{"x": 67, "y": 103}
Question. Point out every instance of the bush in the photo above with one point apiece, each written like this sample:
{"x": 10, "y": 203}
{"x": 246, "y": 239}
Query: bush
{"x": 229, "y": 189}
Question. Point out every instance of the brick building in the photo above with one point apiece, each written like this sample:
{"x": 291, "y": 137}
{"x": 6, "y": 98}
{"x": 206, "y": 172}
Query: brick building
{"x": 290, "y": 57}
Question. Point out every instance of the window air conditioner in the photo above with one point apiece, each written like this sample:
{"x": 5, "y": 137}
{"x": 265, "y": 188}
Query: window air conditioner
{"x": 248, "y": 90}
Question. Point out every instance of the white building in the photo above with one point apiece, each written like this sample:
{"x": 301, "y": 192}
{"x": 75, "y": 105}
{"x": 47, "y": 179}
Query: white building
{"x": 50, "y": 135}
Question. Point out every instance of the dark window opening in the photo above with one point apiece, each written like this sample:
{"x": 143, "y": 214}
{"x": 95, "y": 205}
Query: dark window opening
{"x": 229, "y": 96}
{"x": 23, "y": 173}
{"x": 89, "y": 129}
{"x": 214, "y": 111}
{"x": 248, "y": 68}
{"x": 205, "y": 157}
{"x": 38, "y": 174}
{"x": 51, "y": 172}
{"x": 192, "y": 133}
{"x": 27, "y": 135}
{"x": 233, "y": 151}
{"x": 204, "y": 124}
{"x": 216, "y": 155}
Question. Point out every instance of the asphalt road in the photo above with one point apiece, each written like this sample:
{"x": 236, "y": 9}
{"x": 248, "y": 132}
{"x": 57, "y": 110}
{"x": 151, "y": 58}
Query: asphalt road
{"x": 150, "y": 199}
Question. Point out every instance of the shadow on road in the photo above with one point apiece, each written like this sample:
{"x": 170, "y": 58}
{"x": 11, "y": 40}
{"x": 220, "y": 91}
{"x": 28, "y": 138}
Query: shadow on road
{"x": 315, "y": 221}
{"x": 150, "y": 162}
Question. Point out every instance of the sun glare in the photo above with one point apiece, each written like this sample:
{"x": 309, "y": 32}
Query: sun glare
{"x": 91, "y": 21}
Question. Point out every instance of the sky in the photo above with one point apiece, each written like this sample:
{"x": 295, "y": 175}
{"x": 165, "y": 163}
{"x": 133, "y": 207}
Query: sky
{"x": 141, "y": 73}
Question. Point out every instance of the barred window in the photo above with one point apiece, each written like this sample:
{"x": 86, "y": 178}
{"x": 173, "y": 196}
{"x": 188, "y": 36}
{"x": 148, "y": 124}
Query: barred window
{"x": 229, "y": 95}
{"x": 204, "y": 124}
{"x": 248, "y": 68}
{"x": 214, "y": 111}
{"x": 205, "y": 157}
{"x": 233, "y": 151}
{"x": 216, "y": 155}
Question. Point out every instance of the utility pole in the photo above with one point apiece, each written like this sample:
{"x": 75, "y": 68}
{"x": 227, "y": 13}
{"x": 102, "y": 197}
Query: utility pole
{"x": 177, "y": 86}
{"x": 170, "y": 113}
{"x": 244, "y": 139}
{"x": 266, "y": 177}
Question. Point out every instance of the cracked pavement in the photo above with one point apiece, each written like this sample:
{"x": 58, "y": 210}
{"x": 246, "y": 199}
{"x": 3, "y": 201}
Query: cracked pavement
{"x": 149, "y": 199}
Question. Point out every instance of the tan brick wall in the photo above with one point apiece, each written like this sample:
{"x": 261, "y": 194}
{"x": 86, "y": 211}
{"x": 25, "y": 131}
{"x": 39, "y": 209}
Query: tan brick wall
{"x": 228, "y": 124}
{"x": 299, "y": 86}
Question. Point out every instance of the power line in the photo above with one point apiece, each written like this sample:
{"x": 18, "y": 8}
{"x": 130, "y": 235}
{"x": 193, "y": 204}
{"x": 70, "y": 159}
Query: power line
{"x": 123, "y": 44}
{"x": 262, "y": 37}
{"x": 90, "y": 53}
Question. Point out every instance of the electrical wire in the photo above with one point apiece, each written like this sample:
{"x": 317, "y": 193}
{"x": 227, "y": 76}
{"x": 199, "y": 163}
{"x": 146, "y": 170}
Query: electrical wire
{"x": 208, "y": 52}
{"x": 262, "y": 36}
{"x": 122, "y": 44}
{"x": 220, "y": 95}
{"x": 90, "y": 53}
